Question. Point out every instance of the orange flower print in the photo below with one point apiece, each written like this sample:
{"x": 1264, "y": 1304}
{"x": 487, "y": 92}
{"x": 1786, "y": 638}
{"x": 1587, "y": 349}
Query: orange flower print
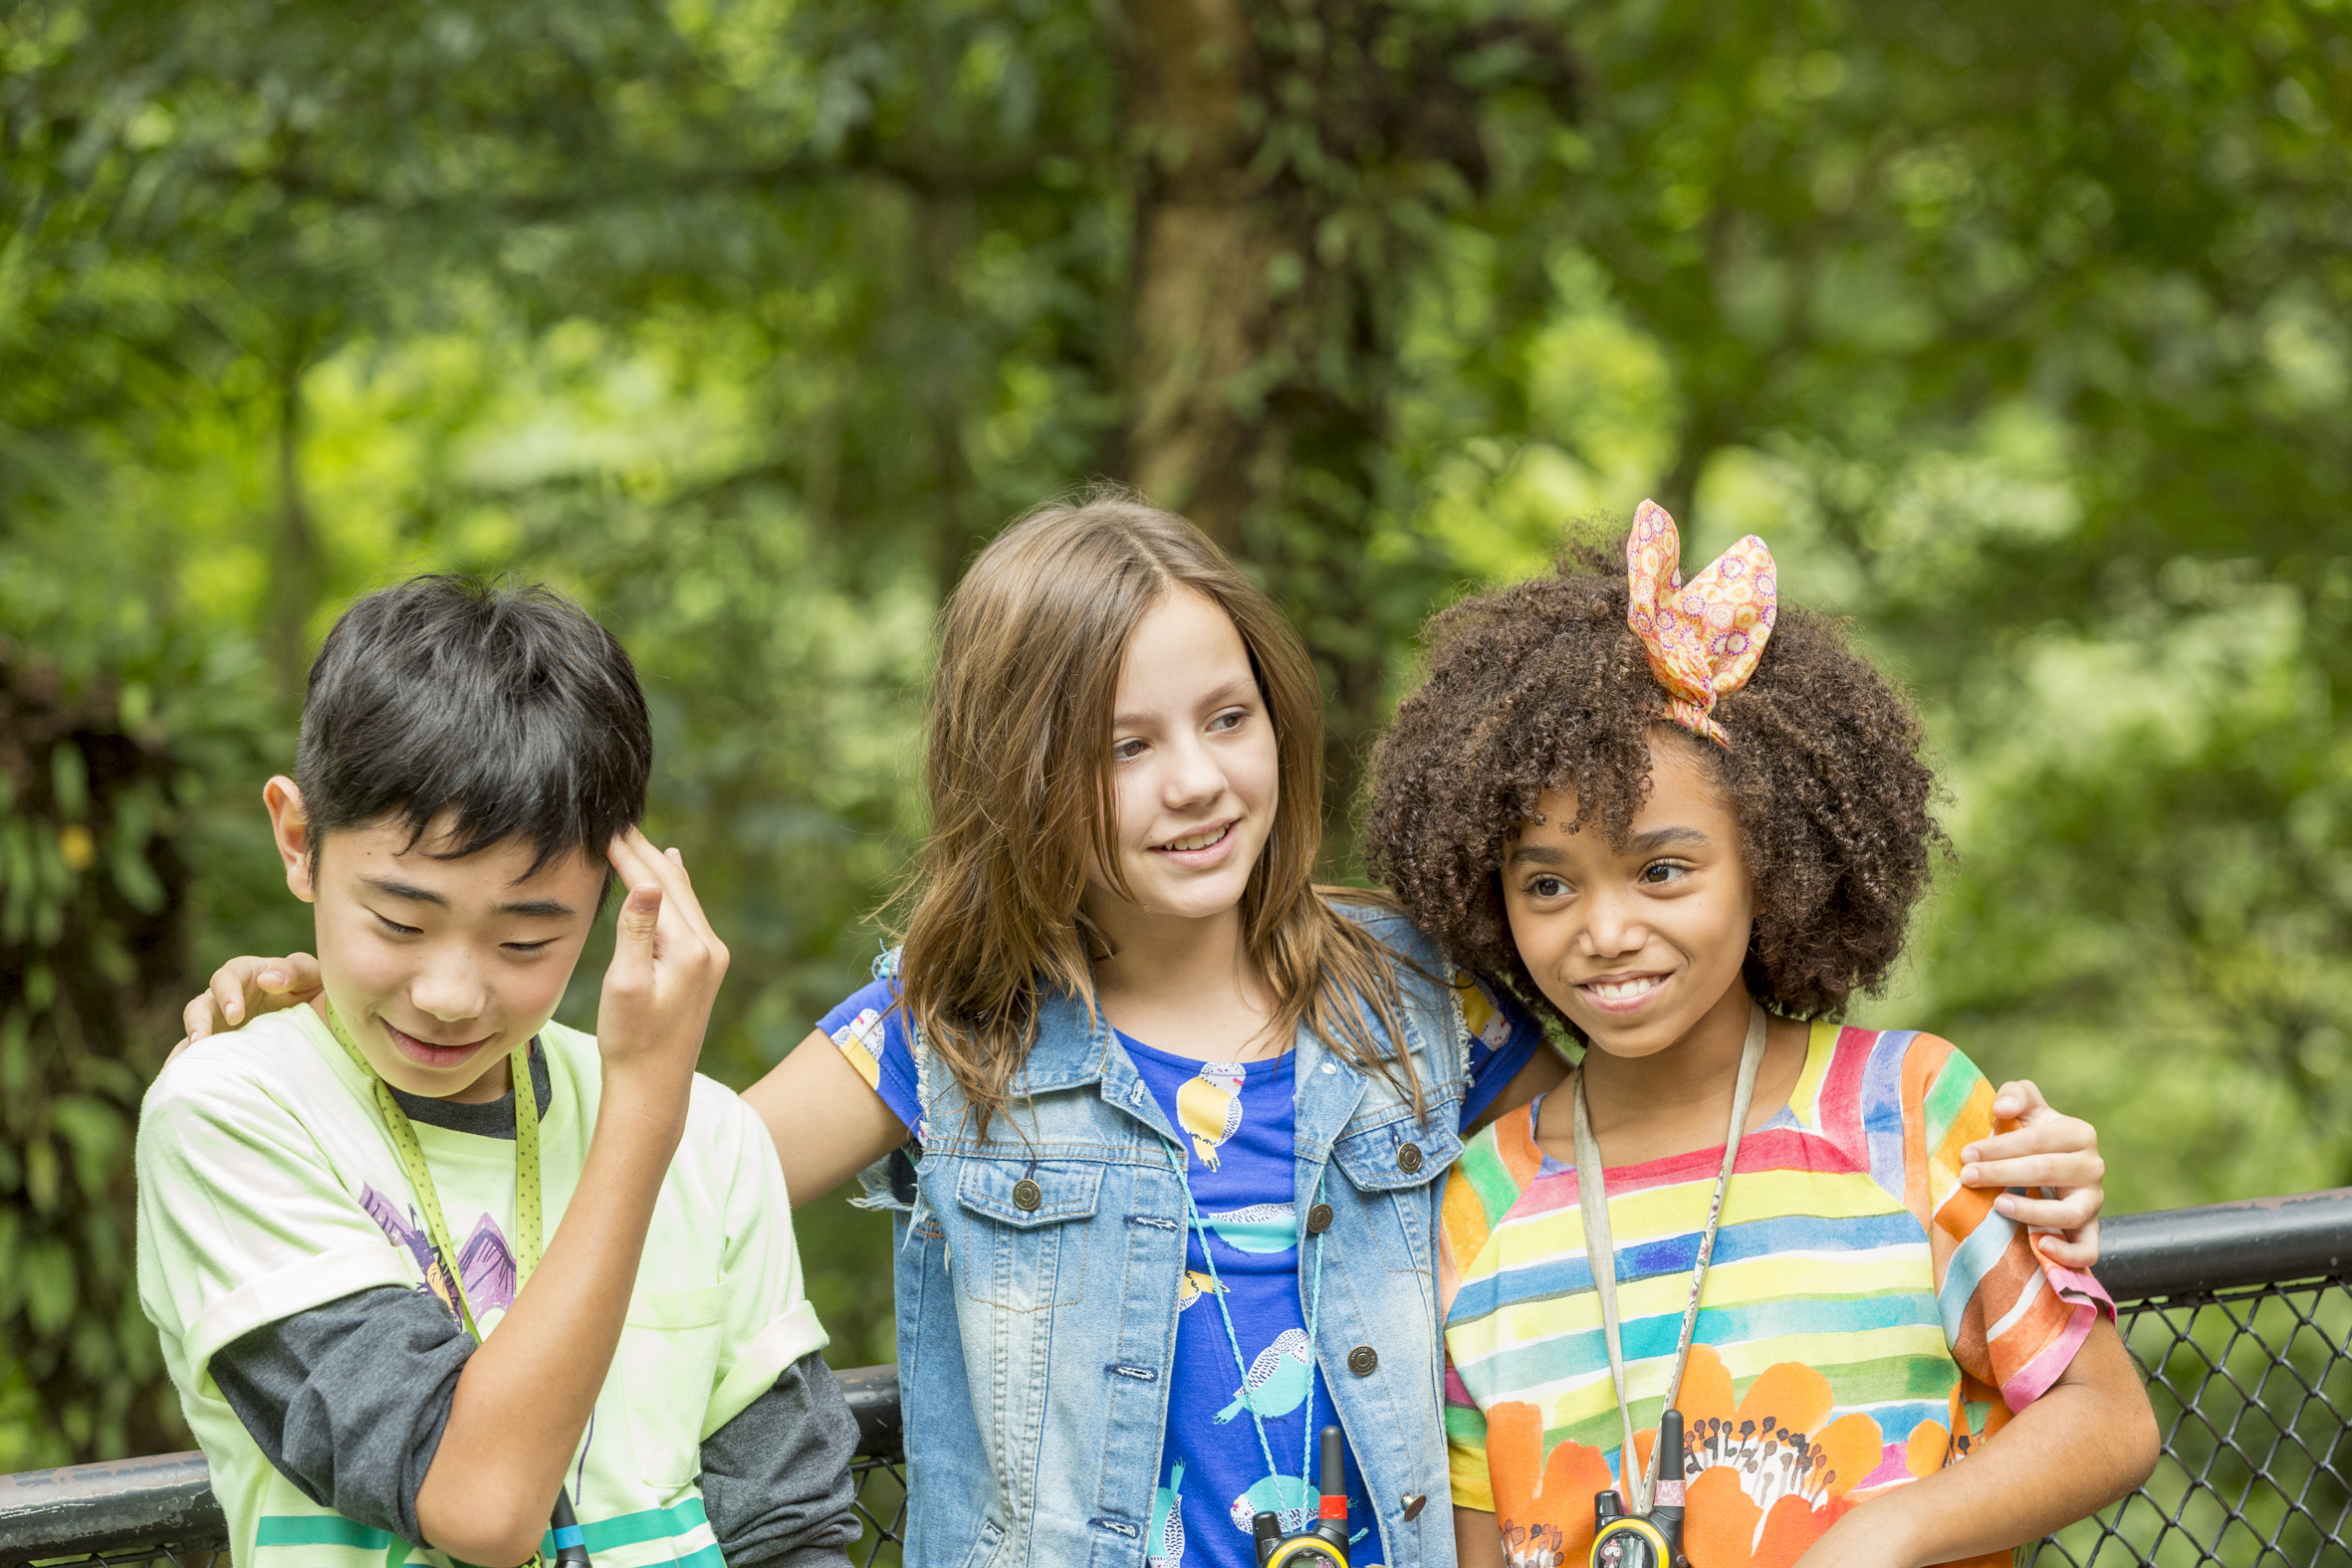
{"x": 1767, "y": 1474}
{"x": 1545, "y": 1516}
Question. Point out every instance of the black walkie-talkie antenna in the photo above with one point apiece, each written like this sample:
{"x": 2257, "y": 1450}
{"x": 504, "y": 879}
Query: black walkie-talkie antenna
{"x": 570, "y": 1539}
{"x": 1331, "y": 1521}
{"x": 1666, "y": 1502}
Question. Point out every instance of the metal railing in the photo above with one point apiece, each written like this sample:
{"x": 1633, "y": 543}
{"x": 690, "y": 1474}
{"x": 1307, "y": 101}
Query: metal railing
{"x": 2239, "y": 1315}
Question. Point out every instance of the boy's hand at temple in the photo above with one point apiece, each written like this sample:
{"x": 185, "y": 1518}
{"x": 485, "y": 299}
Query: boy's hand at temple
{"x": 665, "y": 972}
{"x": 485, "y": 1496}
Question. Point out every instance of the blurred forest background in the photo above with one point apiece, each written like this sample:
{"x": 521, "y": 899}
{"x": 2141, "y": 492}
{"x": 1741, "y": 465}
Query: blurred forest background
{"x": 2022, "y": 331}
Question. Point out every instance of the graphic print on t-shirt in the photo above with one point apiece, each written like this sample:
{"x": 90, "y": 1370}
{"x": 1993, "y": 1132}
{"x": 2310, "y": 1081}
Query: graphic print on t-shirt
{"x": 1167, "y": 1523}
{"x": 1210, "y": 1108}
{"x": 484, "y": 1260}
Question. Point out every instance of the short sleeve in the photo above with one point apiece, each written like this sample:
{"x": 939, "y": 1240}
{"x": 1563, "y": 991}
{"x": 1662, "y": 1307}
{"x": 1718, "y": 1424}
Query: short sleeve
{"x": 1503, "y": 1039}
{"x": 870, "y": 1029}
{"x": 242, "y": 1222}
{"x": 2013, "y": 1322}
{"x": 767, "y": 1320}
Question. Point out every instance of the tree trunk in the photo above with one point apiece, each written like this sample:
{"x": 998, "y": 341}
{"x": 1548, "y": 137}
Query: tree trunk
{"x": 1198, "y": 442}
{"x": 297, "y": 572}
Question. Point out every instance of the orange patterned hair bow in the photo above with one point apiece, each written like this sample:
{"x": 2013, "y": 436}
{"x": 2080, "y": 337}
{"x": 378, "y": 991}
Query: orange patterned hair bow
{"x": 1703, "y": 636}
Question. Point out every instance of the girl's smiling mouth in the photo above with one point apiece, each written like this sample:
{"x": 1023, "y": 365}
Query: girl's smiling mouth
{"x": 1621, "y": 993}
{"x": 1202, "y": 846}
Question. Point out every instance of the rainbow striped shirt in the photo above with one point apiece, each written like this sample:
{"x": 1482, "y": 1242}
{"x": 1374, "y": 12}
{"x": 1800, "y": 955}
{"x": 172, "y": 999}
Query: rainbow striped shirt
{"x": 1867, "y": 1319}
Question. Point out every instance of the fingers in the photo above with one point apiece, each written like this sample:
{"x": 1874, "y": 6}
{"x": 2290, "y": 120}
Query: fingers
{"x": 2066, "y": 1212}
{"x": 245, "y": 988}
{"x": 2077, "y": 1250}
{"x": 2037, "y": 1170}
{"x": 2018, "y": 1100}
{"x": 681, "y": 911}
{"x": 2052, "y": 1133}
{"x": 640, "y": 911}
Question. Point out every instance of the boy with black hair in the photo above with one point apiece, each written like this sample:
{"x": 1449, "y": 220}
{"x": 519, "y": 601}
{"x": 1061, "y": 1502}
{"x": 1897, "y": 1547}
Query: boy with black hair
{"x": 343, "y": 1207}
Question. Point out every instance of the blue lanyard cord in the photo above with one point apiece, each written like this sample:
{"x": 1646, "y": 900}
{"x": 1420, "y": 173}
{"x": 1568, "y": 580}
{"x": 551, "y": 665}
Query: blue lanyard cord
{"x": 1314, "y": 1303}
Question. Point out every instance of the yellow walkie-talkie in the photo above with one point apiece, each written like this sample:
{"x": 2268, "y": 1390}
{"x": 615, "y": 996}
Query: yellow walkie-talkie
{"x": 1645, "y": 1540}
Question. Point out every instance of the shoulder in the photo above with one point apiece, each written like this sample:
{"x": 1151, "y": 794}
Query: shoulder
{"x": 266, "y": 1069}
{"x": 1906, "y": 1073}
{"x": 1380, "y": 918}
{"x": 1493, "y": 1170}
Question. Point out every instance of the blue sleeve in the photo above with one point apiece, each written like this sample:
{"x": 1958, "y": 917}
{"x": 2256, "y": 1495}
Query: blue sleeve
{"x": 870, "y": 1030}
{"x": 1504, "y": 1038}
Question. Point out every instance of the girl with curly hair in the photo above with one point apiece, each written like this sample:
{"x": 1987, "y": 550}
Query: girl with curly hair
{"x": 1161, "y": 1123}
{"x": 1687, "y": 824}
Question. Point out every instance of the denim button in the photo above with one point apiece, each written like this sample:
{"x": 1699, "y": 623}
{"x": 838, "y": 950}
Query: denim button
{"x": 1026, "y": 1195}
{"x": 1408, "y": 1159}
{"x": 1318, "y": 1219}
{"x": 1364, "y": 1359}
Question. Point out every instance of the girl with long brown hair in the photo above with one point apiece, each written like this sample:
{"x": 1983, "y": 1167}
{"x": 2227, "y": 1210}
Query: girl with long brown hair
{"x": 1158, "y": 1121}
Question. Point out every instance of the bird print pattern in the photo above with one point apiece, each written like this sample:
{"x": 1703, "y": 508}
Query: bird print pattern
{"x": 1278, "y": 1381}
{"x": 1166, "y": 1549}
{"x": 1210, "y": 1108}
{"x": 1261, "y": 1228}
{"x": 1194, "y": 1286}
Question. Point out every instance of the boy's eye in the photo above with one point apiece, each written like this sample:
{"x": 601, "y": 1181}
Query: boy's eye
{"x": 526, "y": 949}
{"x": 1662, "y": 871}
{"x": 1547, "y": 886}
{"x": 395, "y": 928}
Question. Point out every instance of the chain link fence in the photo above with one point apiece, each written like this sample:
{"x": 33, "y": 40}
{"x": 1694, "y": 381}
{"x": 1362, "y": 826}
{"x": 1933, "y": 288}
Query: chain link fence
{"x": 2239, "y": 1315}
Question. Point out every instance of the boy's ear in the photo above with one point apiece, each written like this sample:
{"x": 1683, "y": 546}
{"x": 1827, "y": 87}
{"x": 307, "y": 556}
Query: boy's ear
{"x": 290, "y": 825}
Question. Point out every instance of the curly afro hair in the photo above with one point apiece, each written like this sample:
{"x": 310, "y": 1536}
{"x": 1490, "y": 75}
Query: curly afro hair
{"x": 1543, "y": 686}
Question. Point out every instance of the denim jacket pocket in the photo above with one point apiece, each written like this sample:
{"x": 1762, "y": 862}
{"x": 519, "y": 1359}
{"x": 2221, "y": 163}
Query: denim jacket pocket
{"x": 669, "y": 1344}
{"x": 1018, "y": 1250}
{"x": 1393, "y": 1165}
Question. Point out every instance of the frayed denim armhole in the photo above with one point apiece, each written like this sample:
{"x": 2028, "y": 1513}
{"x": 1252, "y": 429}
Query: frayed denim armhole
{"x": 889, "y": 1182}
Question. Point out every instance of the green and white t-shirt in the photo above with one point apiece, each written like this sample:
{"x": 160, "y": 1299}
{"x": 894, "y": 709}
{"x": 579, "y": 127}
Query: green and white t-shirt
{"x": 268, "y": 1186}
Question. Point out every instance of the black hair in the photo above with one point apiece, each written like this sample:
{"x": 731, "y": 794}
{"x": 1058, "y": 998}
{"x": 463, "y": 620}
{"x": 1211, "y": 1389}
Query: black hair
{"x": 504, "y": 704}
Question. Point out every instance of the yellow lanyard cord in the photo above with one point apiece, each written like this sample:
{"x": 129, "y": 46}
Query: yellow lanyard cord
{"x": 527, "y": 1215}
{"x": 420, "y": 1176}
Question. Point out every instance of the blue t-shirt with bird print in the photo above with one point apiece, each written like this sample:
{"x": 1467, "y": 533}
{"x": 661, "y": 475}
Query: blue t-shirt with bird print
{"x": 1236, "y": 1120}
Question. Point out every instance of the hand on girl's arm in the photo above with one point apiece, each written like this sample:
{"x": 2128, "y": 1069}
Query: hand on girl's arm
{"x": 524, "y": 1396}
{"x": 2051, "y": 1150}
{"x": 2088, "y": 1440}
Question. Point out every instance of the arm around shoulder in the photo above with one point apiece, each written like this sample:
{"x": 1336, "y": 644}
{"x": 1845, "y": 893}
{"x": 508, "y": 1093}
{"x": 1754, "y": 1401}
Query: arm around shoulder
{"x": 2089, "y": 1439}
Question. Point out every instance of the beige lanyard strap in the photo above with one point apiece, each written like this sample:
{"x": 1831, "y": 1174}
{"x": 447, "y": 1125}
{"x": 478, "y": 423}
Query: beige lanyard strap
{"x": 420, "y": 1176}
{"x": 1592, "y": 1196}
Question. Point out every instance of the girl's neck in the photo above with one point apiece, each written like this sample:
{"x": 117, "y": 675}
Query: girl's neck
{"x": 1186, "y": 986}
{"x": 1679, "y": 1099}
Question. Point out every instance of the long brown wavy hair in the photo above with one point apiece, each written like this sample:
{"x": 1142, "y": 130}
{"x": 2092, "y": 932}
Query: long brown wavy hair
{"x": 1018, "y": 775}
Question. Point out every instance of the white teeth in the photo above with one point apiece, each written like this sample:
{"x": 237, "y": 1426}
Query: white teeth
{"x": 1200, "y": 840}
{"x": 1623, "y": 990}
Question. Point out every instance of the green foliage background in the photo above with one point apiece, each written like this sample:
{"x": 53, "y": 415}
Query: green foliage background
{"x": 2022, "y": 332}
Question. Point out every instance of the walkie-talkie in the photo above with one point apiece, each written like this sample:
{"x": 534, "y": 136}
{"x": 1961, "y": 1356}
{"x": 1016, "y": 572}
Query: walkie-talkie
{"x": 570, "y": 1541}
{"x": 1322, "y": 1544}
{"x": 1645, "y": 1540}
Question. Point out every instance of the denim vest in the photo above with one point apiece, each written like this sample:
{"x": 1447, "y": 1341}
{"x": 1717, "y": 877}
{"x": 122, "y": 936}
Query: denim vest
{"x": 1037, "y": 1282}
